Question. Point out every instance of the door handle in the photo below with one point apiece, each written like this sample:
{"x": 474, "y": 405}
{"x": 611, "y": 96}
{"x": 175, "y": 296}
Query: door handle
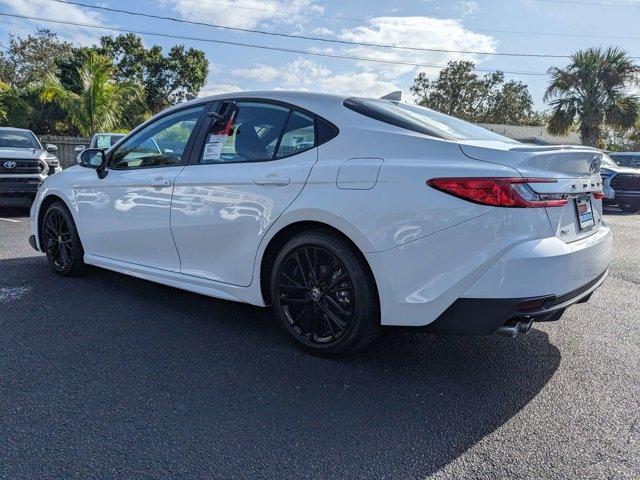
{"x": 279, "y": 181}
{"x": 159, "y": 182}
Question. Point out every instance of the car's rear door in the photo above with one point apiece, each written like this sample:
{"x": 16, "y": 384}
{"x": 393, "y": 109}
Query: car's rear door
{"x": 125, "y": 216}
{"x": 241, "y": 179}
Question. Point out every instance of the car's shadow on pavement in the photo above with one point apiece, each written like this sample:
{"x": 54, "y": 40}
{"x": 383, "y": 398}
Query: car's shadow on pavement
{"x": 110, "y": 376}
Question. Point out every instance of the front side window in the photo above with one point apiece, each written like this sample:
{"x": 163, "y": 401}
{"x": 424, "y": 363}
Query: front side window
{"x": 18, "y": 139}
{"x": 422, "y": 120}
{"x": 159, "y": 144}
{"x": 251, "y": 136}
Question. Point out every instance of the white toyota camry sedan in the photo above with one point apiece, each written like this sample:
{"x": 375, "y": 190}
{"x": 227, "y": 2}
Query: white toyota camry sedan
{"x": 343, "y": 213}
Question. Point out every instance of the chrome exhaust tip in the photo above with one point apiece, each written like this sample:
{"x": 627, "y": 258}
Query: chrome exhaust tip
{"x": 509, "y": 329}
{"x": 525, "y": 325}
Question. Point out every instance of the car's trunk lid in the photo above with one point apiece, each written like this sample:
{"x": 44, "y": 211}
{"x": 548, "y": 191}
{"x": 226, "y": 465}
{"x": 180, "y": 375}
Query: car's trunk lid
{"x": 575, "y": 169}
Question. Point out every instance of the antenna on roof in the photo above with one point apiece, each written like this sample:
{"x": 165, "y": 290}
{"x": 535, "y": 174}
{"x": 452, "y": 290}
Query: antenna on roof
{"x": 189, "y": 96}
{"x": 395, "y": 96}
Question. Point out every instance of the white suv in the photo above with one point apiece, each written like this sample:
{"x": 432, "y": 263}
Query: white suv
{"x": 343, "y": 213}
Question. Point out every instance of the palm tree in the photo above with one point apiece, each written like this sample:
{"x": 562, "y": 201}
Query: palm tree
{"x": 592, "y": 92}
{"x": 101, "y": 103}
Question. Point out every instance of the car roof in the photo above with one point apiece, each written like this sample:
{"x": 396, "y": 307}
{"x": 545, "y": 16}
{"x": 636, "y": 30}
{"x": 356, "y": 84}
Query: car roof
{"x": 621, "y": 154}
{"x": 323, "y": 104}
{"x": 13, "y": 129}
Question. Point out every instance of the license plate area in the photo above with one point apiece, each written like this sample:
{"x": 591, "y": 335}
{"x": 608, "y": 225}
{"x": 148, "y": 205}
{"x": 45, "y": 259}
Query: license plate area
{"x": 584, "y": 209}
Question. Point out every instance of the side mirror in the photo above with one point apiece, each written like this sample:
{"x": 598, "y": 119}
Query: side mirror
{"x": 93, "y": 158}
{"x": 79, "y": 148}
{"x": 51, "y": 148}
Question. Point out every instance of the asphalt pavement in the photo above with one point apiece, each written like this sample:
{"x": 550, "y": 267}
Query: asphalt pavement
{"x": 108, "y": 376}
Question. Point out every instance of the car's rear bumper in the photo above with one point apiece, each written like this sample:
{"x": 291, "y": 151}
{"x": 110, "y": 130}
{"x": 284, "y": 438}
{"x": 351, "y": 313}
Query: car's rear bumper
{"x": 491, "y": 260}
{"x": 484, "y": 316}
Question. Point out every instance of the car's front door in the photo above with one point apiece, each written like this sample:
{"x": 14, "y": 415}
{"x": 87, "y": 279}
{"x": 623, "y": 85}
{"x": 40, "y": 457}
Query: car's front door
{"x": 125, "y": 216}
{"x": 246, "y": 173}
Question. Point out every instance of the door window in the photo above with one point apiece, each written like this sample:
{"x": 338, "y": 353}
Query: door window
{"x": 298, "y": 136}
{"x": 159, "y": 144}
{"x": 252, "y": 136}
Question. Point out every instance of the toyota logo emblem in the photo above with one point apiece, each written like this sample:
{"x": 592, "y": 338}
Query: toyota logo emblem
{"x": 9, "y": 164}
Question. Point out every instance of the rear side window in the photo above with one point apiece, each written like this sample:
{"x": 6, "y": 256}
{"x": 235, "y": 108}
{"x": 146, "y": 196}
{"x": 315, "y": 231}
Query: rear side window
{"x": 299, "y": 135}
{"x": 421, "y": 120}
{"x": 260, "y": 131}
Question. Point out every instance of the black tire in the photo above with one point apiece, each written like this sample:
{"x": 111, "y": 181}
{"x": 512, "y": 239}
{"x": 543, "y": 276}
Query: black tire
{"x": 335, "y": 309}
{"x": 61, "y": 242}
{"x": 629, "y": 207}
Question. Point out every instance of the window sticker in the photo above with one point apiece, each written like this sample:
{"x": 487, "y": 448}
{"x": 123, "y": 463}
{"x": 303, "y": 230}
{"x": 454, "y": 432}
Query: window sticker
{"x": 213, "y": 148}
{"x": 103, "y": 141}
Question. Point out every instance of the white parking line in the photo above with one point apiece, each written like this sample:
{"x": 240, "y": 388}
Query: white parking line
{"x": 10, "y": 220}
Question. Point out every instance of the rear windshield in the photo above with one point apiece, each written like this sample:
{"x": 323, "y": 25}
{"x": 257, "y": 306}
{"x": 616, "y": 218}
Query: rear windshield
{"x": 18, "y": 139}
{"x": 421, "y": 120}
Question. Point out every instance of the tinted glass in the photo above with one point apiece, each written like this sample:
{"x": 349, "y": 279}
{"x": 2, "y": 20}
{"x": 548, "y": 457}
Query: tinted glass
{"x": 422, "y": 120}
{"x": 17, "y": 139}
{"x": 252, "y": 136}
{"x": 160, "y": 144}
{"x": 325, "y": 131}
{"x": 298, "y": 136}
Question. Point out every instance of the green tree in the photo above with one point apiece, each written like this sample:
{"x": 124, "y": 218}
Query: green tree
{"x": 4, "y": 88}
{"x": 460, "y": 92}
{"x": 30, "y": 59}
{"x": 591, "y": 93}
{"x": 166, "y": 79}
{"x": 100, "y": 104}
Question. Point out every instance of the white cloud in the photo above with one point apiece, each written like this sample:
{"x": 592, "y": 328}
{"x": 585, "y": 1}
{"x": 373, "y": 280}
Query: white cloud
{"x": 264, "y": 73}
{"x": 370, "y": 78}
{"x": 218, "y": 89}
{"x": 304, "y": 74}
{"x": 422, "y": 32}
{"x": 246, "y": 13}
{"x": 468, "y": 8}
{"x": 55, "y": 11}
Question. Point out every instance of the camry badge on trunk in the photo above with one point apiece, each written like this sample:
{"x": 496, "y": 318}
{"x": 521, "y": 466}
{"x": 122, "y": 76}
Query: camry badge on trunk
{"x": 9, "y": 164}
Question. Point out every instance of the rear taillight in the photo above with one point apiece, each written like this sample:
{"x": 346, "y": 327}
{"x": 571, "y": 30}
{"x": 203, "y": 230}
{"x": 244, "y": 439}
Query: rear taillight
{"x": 598, "y": 195}
{"x": 500, "y": 191}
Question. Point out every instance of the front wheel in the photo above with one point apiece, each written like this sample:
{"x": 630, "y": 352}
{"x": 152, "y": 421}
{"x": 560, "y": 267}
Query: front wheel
{"x": 324, "y": 295}
{"x": 61, "y": 242}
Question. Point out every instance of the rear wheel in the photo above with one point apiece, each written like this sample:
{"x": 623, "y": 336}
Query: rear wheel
{"x": 61, "y": 242}
{"x": 630, "y": 207}
{"x": 324, "y": 295}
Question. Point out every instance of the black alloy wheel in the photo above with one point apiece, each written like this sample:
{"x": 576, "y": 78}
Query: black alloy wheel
{"x": 323, "y": 294}
{"x": 60, "y": 241}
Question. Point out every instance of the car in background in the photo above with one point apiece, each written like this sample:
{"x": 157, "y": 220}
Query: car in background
{"x": 621, "y": 184}
{"x": 24, "y": 164}
{"x": 626, "y": 159}
{"x": 344, "y": 213}
{"x": 102, "y": 140}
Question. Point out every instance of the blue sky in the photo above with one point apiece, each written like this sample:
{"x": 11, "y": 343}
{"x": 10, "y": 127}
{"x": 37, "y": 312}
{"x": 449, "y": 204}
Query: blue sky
{"x": 479, "y": 25}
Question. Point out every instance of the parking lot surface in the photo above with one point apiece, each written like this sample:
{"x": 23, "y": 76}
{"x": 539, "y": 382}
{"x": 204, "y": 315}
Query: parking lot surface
{"x": 108, "y": 376}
